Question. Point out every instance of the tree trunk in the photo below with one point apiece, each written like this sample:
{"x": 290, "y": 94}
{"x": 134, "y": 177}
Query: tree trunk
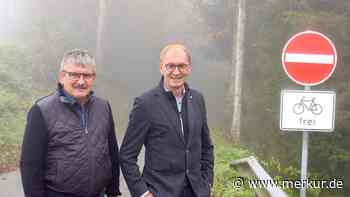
{"x": 236, "y": 75}
{"x": 102, "y": 15}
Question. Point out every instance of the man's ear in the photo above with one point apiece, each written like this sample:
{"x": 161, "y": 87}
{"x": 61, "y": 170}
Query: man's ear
{"x": 61, "y": 77}
{"x": 190, "y": 69}
{"x": 161, "y": 69}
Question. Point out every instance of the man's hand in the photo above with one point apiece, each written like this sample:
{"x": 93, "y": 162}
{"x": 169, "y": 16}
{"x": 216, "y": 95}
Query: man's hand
{"x": 149, "y": 194}
{"x": 112, "y": 195}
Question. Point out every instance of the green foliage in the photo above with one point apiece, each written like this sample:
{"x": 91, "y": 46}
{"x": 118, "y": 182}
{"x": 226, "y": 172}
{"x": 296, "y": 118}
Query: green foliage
{"x": 283, "y": 173}
{"x": 16, "y": 68}
{"x": 16, "y": 95}
{"x": 224, "y": 175}
{"x": 269, "y": 25}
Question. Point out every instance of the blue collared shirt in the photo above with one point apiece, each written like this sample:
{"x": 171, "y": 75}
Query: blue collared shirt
{"x": 79, "y": 109}
{"x": 178, "y": 99}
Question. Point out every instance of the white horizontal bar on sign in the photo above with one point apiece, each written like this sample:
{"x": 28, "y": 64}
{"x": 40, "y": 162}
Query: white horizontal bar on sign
{"x": 309, "y": 58}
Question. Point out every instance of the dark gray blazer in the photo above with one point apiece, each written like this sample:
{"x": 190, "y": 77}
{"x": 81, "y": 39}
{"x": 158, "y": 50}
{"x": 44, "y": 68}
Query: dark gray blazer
{"x": 168, "y": 159}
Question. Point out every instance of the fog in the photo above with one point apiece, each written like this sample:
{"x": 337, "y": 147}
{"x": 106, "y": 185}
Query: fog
{"x": 132, "y": 37}
{"x": 127, "y": 36}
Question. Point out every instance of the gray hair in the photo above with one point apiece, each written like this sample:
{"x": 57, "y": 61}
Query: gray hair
{"x": 78, "y": 57}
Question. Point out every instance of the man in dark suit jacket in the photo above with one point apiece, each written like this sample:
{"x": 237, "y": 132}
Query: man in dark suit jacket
{"x": 170, "y": 121}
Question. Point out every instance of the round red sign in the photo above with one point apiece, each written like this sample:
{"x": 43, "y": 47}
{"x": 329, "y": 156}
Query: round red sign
{"x": 309, "y": 58}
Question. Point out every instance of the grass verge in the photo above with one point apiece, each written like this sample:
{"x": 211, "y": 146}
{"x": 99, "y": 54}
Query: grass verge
{"x": 225, "y": 152}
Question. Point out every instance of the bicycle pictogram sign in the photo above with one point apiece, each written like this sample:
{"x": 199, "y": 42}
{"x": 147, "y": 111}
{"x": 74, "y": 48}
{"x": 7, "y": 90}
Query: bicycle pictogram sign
{"x": 307, "y": 103}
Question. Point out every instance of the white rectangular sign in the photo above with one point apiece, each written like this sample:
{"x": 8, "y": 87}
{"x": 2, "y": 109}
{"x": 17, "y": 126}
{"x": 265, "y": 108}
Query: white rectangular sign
{"x": 307, "y": 110}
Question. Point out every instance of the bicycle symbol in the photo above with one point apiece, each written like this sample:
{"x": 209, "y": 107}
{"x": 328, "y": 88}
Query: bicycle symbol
{"x": 308, "y": 104}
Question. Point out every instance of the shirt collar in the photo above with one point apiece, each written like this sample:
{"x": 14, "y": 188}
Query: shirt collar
{"x": 167, "y": 90}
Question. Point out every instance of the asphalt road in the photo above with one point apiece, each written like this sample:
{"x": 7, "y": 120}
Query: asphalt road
{"x": 11, "y": 185}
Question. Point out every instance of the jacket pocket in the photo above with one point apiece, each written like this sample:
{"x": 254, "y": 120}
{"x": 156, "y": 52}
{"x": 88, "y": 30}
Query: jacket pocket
{"x": 51, "y": 171}
{"x": 161, "y": 164}
{"x": 104, "y": 166}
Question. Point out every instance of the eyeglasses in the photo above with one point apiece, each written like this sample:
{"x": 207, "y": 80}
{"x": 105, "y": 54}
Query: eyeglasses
{"x": 181, "y": 67}
{"x": 74, "y": 76}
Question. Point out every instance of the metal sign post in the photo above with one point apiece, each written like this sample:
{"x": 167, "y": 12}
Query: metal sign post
{"x": 304, "y": 156}
{"x": 307, "y": 111}
{"x": 308, "y": 58}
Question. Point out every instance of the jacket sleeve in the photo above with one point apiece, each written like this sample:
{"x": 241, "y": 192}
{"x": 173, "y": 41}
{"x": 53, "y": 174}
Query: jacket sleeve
{"x": 33, "y": 157}
{"x": 207, "y": 160}
{"x": 113, "y": 188}
{"x": 134, "y": 138}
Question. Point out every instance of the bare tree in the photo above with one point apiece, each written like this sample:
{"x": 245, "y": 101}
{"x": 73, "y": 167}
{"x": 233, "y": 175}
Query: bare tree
{"x": 102, "y": 15}
{"x": 236, "y": 75}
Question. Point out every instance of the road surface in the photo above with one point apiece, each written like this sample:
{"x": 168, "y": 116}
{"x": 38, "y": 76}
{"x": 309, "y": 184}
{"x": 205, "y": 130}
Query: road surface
{"x": 11, "y": 185}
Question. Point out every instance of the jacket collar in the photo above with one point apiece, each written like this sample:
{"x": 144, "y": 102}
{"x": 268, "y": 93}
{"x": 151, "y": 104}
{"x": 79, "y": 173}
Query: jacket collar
{"x": 65, "y": 97}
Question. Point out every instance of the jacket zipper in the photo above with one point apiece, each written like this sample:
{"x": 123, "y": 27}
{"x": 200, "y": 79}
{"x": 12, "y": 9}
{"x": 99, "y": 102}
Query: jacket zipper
{"x": 182, "y": 125}
{"x": 85, "y": 120}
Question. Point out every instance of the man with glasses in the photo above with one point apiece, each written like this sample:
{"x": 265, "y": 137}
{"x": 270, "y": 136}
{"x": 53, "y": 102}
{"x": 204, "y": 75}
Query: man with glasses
{"x": 170, "y": 121}
{"x": 69, "y": 146}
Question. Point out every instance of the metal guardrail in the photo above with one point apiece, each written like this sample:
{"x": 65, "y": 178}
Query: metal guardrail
{"x": 250, "y": 167}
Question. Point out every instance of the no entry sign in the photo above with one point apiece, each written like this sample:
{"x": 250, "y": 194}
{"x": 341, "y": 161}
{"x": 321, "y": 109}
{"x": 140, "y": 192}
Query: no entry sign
{"x": 309, "y": 58}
